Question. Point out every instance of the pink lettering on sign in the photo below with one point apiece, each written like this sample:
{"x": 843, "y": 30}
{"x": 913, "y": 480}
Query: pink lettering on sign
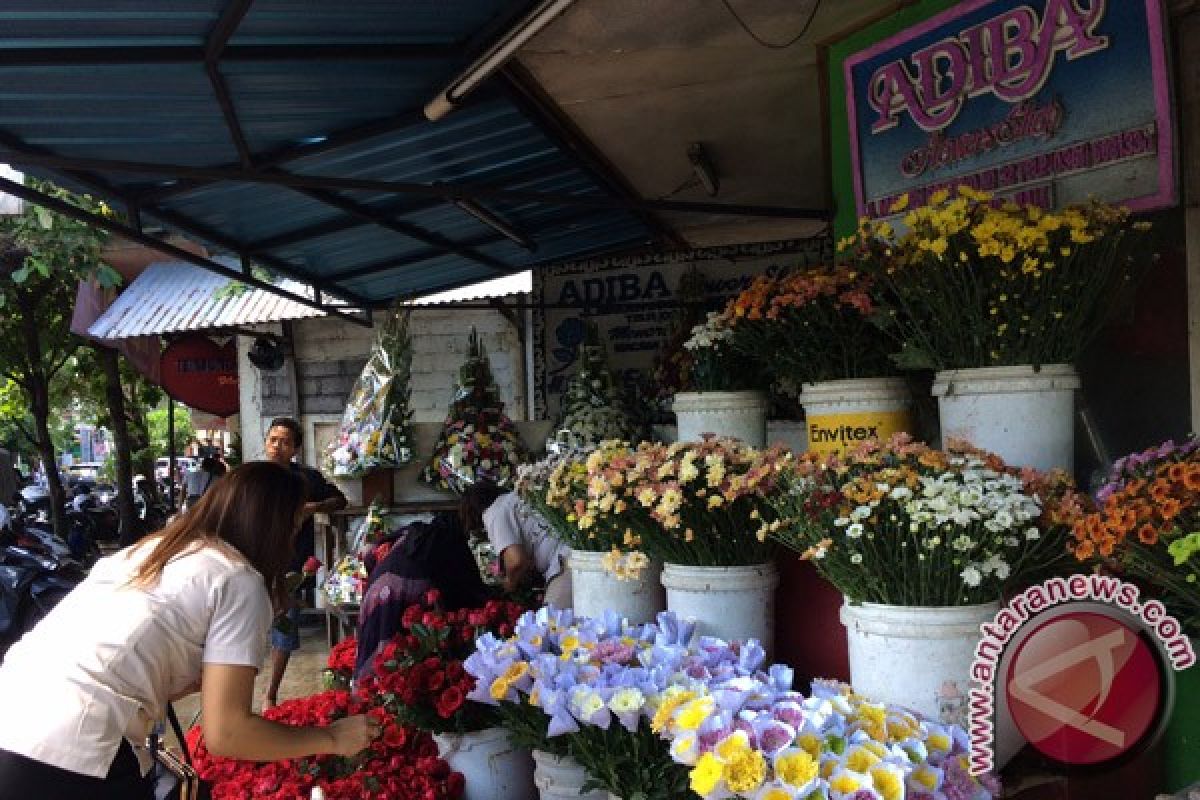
{"x": 1010, "y": 55}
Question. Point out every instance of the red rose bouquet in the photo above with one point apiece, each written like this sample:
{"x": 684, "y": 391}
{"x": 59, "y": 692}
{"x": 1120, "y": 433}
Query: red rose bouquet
{"x": 339, "y": 669}
{"x": 402, "y": 762}
{"x": 419, "y": 675}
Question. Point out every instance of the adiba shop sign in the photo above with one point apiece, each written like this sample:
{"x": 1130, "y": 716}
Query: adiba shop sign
{"x": 1049, "y": 101}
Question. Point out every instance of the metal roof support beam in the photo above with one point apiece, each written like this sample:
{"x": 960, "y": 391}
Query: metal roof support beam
{"x": 278, "y": 265}
{"x": 443, "y": 190}
{"x": 340, "y": 224}
{"x": 190, "y": 54}
{"x": 221, "y": 33}
{"x": 387, "y": 265}
{"x": 526, "y": 94}
{"x": 295, "y": 152}
{"x": 368, "y": 214}
{"x": 112, "y": 226}
{"x": 101, "y": 186}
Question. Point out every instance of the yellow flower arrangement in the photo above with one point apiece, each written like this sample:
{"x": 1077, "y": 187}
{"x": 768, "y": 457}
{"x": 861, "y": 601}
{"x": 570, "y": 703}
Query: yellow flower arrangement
{"x": 973, "y": 282}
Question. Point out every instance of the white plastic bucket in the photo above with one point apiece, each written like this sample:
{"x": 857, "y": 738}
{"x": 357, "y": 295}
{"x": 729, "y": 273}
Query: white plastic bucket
{"x": 917, "y": 657}
{"x": 1025, "y": 417}
{"x": 492, "y": 767}
{"x": 840, "y": 415}
{"x": 594, "y": 589}
{"x": 731, "y": 603}
{"x": 736, "y": 415}
{"x": 561, "y": 778}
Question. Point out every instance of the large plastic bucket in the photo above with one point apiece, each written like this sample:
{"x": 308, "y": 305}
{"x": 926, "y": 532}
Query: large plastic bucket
{"x": 1025, "y": 417}
{"x": 594, "y": 590}
{"x": 561, "y": 778}
{"x": 840, "y": 415}
{"x": 731, "y": 603}
{"x": 917, "y": 657}
{"x": 735, "y": 415}
{"x": 492, "y": 767}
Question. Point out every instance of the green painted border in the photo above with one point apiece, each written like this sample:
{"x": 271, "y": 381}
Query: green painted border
{"x": 841, "y": 169}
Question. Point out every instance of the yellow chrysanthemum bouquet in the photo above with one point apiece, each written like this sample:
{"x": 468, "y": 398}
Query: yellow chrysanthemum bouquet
{"x": 967, "y": 281}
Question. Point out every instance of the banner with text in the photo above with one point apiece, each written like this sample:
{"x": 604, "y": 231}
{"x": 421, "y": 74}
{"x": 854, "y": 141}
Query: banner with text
{"x": 1047, "y": 102}
{"x": 633, "y": 301}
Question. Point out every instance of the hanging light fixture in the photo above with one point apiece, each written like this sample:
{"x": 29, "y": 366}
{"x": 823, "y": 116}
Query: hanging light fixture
{"x": 494, "y": 57}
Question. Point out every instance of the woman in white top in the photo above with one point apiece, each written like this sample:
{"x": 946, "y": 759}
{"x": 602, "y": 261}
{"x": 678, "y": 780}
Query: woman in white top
{"x": 186, "y": 609}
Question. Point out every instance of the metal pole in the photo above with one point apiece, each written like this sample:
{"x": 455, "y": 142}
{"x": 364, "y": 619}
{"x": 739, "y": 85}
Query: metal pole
{"x": 171, "y": 451}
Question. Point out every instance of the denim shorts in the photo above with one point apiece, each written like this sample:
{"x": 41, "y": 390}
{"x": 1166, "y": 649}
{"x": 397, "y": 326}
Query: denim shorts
{"x": 288, "y": 642}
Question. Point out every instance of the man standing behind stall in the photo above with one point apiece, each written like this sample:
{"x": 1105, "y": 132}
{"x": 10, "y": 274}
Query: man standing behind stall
{"x": 284, "y": 438}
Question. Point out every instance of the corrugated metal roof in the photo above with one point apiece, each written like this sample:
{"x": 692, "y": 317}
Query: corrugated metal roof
{"x": 174, "y": 296}
{"x": 127, "y": 82}
{"x": 508, "y": 286}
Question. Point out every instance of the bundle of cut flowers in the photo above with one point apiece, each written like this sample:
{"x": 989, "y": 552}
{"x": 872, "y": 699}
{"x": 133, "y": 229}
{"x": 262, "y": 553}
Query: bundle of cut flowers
{"x": 1147, "y": 526}
{"x": 811, "y": 325}
{"x": 401, "y": 763}
{"x": 478, "y": 442}
{"x": 715, "y": 360}
{"x": 346, "y": 582}
{"x": 591, "y": 408}
{"x": 650, "y": 713}
{"x": 339, "y": 667}
{"x": 973, "y": 282}
{"x": 588, "y": 688}
{"x": 902, "y": 524}
{"x": 418, "y": 676}
{"x": 690, "y": 503}
{"x": 752, "y": 739}
{"x": 376, "y": 427}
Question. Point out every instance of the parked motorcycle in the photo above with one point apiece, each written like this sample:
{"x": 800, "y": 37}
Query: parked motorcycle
{"x": 36, "y": 572}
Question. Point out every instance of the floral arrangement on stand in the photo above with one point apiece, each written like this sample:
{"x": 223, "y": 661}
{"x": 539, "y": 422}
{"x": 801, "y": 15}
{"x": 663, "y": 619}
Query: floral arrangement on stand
{"x": 591, "y": 406}
{"x": 1147, "y": 526}
{"x": 689, "y": 503}
{"x": 650, "y": 714}
{"x": 815, "y": 324}
{"x": 339, "y": 667}
{"x": 972, "y": 282}
{"x": 376, "y": 427}
{"x": 478, "y": 441}
{"x": 401, "y": 763}
{"x": 346, "y": 582}
{"x": 902, "y": 524}
{"x": 418, "y": 676}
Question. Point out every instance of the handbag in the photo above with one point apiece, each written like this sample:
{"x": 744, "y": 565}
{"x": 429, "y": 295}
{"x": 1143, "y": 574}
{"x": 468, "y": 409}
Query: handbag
{"x": 174, "y": 776}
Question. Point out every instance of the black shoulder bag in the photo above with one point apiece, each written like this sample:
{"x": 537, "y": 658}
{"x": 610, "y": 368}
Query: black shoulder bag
{"x": 174, "y": 776}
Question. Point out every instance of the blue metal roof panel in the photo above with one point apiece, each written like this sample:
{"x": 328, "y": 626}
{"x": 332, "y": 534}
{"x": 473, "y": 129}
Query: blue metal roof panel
{"x": 167, "y": 113}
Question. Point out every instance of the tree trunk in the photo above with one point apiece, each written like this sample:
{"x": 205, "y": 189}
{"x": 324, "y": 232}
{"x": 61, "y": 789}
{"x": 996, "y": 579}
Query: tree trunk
{"x": 58, "y": 496}
{"x": 38, "y": 388}
{"x": 113, "y": 393}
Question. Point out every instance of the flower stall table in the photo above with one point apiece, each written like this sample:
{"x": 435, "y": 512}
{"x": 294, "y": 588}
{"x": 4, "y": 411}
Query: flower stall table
{"x": 341, "y": 620}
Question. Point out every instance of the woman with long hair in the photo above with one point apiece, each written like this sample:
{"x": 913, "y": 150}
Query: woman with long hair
{"x": 186, "y": 608}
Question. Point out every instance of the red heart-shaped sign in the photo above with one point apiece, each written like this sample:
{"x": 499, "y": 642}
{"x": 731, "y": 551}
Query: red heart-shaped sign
{"x": 199, "y": 374}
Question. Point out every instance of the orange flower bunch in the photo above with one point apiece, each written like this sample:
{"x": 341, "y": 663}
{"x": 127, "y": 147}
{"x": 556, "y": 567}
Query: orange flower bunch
{"x": 814, "y": 323}
{"x": 1147, "y": 524}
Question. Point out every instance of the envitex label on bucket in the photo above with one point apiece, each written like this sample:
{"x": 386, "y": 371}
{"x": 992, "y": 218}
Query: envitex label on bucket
{"x": 841, "y": 433}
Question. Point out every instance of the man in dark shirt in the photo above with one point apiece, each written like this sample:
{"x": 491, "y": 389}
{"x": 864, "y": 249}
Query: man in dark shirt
{"x": 284, "y": 438}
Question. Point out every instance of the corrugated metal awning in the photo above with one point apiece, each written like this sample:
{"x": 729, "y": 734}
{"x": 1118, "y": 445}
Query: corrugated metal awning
{"x": 173, "y": 296}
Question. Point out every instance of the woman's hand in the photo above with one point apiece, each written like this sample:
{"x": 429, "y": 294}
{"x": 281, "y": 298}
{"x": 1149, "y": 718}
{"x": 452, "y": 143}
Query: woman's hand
{"x": 352, "y": 735}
